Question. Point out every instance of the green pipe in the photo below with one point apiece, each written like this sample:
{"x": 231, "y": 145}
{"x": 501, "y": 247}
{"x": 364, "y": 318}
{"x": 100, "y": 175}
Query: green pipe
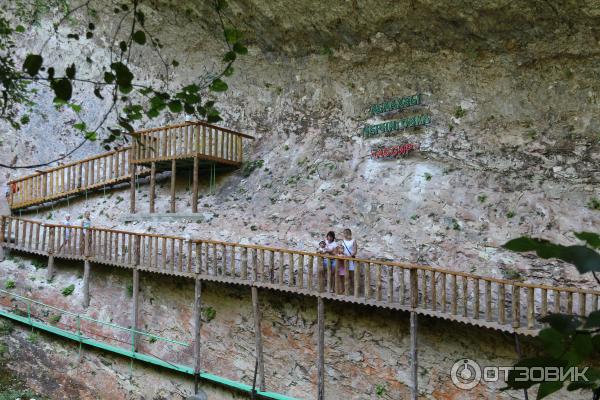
{"x": 143, "y": 357}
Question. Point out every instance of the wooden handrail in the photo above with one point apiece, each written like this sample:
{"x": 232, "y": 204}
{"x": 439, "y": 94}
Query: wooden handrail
{"x": 405, "y": 266}
{"x": 188, "y": 123}
{"x": 69, "y": 164}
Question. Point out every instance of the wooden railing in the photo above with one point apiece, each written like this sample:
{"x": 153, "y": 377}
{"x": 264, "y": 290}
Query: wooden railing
{"x": 189, "y": 140}
{"x": 88, "y": 174}
{"x": 490, "y": 302}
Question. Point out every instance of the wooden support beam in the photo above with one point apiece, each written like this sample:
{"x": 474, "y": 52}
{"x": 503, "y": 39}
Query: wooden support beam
{"x": 320, "y": 349}
{"x": 50, "y": 272}
{"x": 152, "y": 186}
{"x": 195, "y": 185}
{"x": 197, "y": 328}
{"x": 414, "y": 364}
{"x": 135, "y": 308}
{"x": 258, "y": 339}
{"x": 86, "y": 283}
{"x": 132, "y": 168}
{"x": 2, "y": 236}
{"x": 173, "y": 176}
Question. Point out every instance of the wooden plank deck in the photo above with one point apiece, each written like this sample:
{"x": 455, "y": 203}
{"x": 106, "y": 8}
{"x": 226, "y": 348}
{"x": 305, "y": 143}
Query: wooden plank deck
{"x": 504, "y": 305}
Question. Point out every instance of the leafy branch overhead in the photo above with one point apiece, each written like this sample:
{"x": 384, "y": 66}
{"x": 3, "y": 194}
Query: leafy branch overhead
{"x": 129, "y": 97}
{"x": 570, "y": 340}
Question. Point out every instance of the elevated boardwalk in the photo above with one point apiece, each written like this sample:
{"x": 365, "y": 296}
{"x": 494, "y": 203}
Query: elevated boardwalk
{"x": 72, "y": 179}
{"x": 198, "y": 145}
{"x": 505, "y": 305}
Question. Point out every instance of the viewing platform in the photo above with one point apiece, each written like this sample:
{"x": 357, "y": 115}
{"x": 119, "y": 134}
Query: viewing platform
{"x": 199, "y": 146}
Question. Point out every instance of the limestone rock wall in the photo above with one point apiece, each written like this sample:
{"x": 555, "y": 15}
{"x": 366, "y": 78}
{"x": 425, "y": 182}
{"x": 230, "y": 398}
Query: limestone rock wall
{"x": 513, "y": 149}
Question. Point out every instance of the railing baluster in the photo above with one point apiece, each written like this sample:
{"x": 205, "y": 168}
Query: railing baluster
{"x": 433, "y": 291}
{"x": 444, "y": 297}
{"x": 300, "y": 282}
{"x": 378, "y": 282}
{"x": 530, "y": 308}
{"x": 488, "y": 301}
{"x": 476, "y": 296}
{"x": 544, "y": 310}
{"x": 465, "y": 295}
{"x": 516, "y": 306}
{"x": 454, "y": 294}
{"x": 556, "y": 302}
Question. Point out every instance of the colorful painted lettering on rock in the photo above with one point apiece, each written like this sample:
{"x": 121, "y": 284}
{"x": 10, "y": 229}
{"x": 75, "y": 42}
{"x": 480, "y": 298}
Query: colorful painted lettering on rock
{"x": 396, "y": 125}
{"x": 396, "y": 104}
{"x": 392, "y": 152}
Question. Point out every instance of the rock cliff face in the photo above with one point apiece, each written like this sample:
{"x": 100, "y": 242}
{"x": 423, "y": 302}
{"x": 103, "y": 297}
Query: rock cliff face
{"x": 513, "y": 148}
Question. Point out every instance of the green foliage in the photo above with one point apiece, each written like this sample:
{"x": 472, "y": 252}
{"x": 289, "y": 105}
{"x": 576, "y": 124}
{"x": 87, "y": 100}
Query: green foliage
{"x": 38, "y": 264}
{"x": 455, "y": 225}
{"x": 54, "y": 319}
{"x": 129, "y": 289}
{"x": 427, "y": 176}
{"x": 569, "y": 340}
{"x": 481, "y": 198}
{"x": 584, "y": 258}
{"x": 250, "y": 166}
{"x": 510, "y": 214}
{"x": 380, "y": 390}
{"x": 68, "y": 290}
{"x": 6, "y": 327}
{"x": 459, "y": 112}
{"x": 209, "y": 313}
{"x": 33, "y": 337}
{"x": 594, "y": 204}
{"x": 133, "y": 96}
{"x": 10, "y": 284}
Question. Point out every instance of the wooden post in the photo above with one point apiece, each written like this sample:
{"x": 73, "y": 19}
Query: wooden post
{"x": 173, "y": 176}
{"x": 86, "y": 283}
{"x": 50, "y": 272}
{"x": 195, "y": 185}
{"x": 320, "y": 349}
{"x": 135, "y": 308}
{"x": 2, "y": 237}
{"x": 414, "y": 289}
{"x": 258, "y": 339}
{"x": 414, "y": 365}
{"x": 197, "y": 327}
{"x": 132, "y": 168}
{"x": 152, "y": 186}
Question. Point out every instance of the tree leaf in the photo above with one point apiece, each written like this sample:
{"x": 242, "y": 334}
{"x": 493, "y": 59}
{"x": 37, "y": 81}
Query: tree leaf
{"x": 125, "y": 125}
{"x": 175, "y": 63}
{"x": 51, "y": 73}
{"x": 547, "y": 388}
{"x": 218, "y": 86}
{"x": 73, "y": 36}
{"x": 91, "y": 135}
{"x": 20, "y": 28}
{"x": 175, "y": 106}
{"x": 63, "y": 90}
{"x": 97, "y": 93}
{"x": 240, "y": 49}
{"x": 109, "y": 77}
{"x": 33, "y": 63}
{"x": 140, "y": 17}
{"x": 593, "y": 320}
{"x": 553, "y": 341}
{"x": 220, "y": 5}
{"x": 89, "y": 35}
{"x": 592, "y": 239}
{"x": 124, "y": 77}
{"x": 229, "y": 56}
{"x": 565, "y": 324}
{"x": 80, "y": 126}
{"x": 70, "y": 71}
{"x": 139, "y": 37}
{"x": 228, "y": 71}
{"x": 582, "y": 345}
{"x": 232, "y": 35}
{"x": 123, "y": 46}
{"x": 582, "y": 257}
{"x": 91, "y": 26}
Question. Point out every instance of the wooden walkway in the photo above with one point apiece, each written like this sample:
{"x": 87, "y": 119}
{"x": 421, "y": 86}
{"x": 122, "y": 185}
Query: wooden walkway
{"x": 72, "y": 179}
{"x": 504, "y": 305}
{"x": 196, "y": 145}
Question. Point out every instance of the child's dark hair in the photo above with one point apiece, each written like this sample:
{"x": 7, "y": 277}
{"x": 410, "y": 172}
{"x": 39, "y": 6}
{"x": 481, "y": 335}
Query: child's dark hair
{"x": 332, "y": 234}
{"x": 322, "y": 243}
